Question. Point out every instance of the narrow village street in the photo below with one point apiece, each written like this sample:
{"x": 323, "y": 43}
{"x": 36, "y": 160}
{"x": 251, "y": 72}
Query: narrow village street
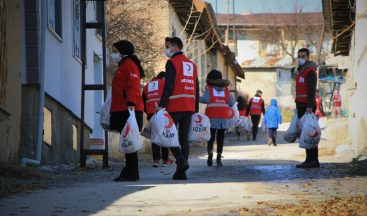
{"x": 256, "y": 179}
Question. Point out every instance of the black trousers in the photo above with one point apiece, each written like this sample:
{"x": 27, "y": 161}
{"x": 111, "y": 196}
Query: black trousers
{"x": 156, "y": 149}
{"x": 311, "y": 154}
{"x": 220, "y": 140}
{"x": 183, "y": 122}
{"x": 272, "y": 133}
{"x": 255, "y": 125}
{"x": 117, "y": 122}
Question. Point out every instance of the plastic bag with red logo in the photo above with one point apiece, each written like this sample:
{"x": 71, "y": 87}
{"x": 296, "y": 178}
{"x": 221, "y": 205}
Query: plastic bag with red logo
{"x": 200, "y": 128}
{"x": 311, "y": 133}
{"x": 294, "y": 129}
{"x": 130, "y": 140}
{"x": 146, "y": 132}
{"x": 234, "y": 115}
{"x": 163, "y": 130}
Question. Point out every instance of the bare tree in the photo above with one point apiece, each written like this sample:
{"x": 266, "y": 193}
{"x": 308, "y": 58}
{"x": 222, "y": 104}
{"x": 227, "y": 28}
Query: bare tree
{"x": 130, "y": 20}
{"x": 291, "y": 32}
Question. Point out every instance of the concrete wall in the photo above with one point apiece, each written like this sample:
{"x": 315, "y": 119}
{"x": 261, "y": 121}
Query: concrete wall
{"x": 10, "y": 106}
{"x": 260, "y": 78}
{"x": 358, "y": 87}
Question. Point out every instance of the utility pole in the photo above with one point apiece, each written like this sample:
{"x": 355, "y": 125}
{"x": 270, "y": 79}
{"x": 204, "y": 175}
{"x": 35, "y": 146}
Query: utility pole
{"x": 234, "y": 30}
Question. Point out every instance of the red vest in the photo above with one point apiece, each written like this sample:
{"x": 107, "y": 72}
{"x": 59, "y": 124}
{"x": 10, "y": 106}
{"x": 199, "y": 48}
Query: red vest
{"x": 318, "y": 106}
{"x": 255, "y": 108}
{"x": 183, "y": 94}
{"x": 218, "y": 104}
{"x": 242, "y": 112}
{"x": 337, "y": 100}
{"x": 153, "y": 92}
{"x": 301, "y": 85}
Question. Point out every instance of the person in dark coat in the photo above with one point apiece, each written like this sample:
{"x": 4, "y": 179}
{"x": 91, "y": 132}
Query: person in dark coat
{"x": 126, "y": 94}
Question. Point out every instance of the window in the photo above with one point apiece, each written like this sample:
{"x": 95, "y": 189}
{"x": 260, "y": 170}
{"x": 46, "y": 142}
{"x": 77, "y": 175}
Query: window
{"x": 99, "y": 15}
{"x": 75, "y": 137}
{"x": 54, "y": 17}
{"x": 76, "y": 29}
{"x": 47, "y": 126}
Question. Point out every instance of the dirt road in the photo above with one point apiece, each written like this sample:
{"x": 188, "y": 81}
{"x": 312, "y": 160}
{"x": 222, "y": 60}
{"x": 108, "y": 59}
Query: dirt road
{"x": 256, "y": 179}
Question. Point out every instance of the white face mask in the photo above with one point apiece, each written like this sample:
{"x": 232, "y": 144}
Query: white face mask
{"x": 116, "y": 57}
{"x": 301, "y": 61}
{"x": 168, "y": 52}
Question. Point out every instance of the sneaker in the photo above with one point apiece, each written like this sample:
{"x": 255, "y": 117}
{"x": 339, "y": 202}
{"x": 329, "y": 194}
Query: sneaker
{"x": 168, "y": 162}
{"x": 155, "y": 164}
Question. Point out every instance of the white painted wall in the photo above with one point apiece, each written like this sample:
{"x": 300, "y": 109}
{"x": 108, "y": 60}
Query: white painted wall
{"x": 357, "y": 86}
{"x": 63, "y": 70}
{"x": 247, "y": 50}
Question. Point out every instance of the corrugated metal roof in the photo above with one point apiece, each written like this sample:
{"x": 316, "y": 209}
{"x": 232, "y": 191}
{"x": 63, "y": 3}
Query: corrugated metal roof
{"x": 268, "y": 62}
{"x": 279, "y": 19}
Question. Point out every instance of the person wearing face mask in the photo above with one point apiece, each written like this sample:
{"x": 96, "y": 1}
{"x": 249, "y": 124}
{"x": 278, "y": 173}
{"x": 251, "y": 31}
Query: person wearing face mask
{"x": 180, "y": 97}
{"x": 306, "y": 81}
{"x": 126, "y": 94}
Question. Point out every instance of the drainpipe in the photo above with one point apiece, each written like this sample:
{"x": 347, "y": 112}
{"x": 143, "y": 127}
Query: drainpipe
{"x": 39, "y": 138}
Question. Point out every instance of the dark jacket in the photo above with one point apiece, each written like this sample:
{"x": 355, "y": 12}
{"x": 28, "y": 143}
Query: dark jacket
{"x": 169, "y": 84}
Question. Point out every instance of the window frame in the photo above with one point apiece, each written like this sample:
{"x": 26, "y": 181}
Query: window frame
{"x": 53, "y": 28}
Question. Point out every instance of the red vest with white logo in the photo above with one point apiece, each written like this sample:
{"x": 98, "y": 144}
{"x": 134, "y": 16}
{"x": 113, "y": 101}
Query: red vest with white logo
{"x": 153, "y": 93}
{"x": 301, "y": 85}
{"x": 337, "y": 100}
{"x": 218, "y": 103}
{"x": 255, "y": 108}
{"x": 183, "y": 94}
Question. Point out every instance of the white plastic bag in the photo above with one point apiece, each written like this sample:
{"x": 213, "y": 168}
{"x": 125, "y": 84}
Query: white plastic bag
{"x": 130, "y": 140}
{"x": 263, "y": 125}
{"x": 163, "y": 130}
{"x": 311, "y": 133}
{"x": 104, "y": 118}
{"x": 245, "y": 123}
{"x": 199, "y": 128}
{"x": 294, "y": 129}
{"x": 323, "y": 123}
{"x": 146, "y": 132}
{"x": 234, "y": 115}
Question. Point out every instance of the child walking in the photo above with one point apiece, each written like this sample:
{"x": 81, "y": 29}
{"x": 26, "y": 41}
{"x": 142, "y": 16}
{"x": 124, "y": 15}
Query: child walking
{"x": 272, "y": 119}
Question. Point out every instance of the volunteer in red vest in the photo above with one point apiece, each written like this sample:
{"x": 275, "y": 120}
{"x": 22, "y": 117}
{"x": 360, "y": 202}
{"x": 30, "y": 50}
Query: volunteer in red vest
{"x": 151, "y": 96}
{"x": 337, "y": 104}
{"x": 180, "y": 97}
{"x": 319, "y": 107}
{"x": 242, "y": 109}
{"x": 126, "y": 94}
{"x": 306, "y": 81}
{"x": 219, "y": 100}
{"x": 255, "y": 108}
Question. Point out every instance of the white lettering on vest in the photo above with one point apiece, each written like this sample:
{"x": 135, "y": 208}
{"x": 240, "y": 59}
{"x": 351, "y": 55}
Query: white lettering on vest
{"x": 301, "y": 80}
{"x": 189, "y": 88}
{"x": 187, "y": 81}
{"x": 256, "y": 99}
